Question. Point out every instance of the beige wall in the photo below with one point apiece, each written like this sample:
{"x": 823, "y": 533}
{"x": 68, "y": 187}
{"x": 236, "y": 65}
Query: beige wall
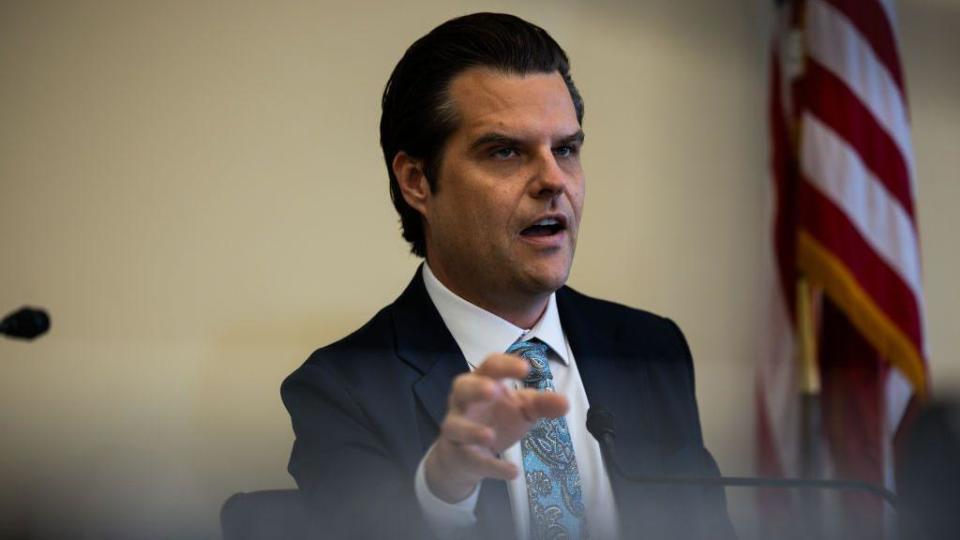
{"x": 195, "y": 191}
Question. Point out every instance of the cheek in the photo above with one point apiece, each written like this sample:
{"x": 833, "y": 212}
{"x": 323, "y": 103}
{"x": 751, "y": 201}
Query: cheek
{"x": 576, "y": 199}
{"x": 491, "y": 208}
{"x": 467, "y": 225}
{"x": 579, "y": 194}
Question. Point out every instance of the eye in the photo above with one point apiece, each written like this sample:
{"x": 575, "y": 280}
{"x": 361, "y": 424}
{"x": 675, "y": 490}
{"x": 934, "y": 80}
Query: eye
{"x": 505, "y": 152}
{"x": 567, "y": 150}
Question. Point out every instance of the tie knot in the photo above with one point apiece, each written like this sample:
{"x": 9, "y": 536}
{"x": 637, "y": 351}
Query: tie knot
{"x": 534, "y": 351}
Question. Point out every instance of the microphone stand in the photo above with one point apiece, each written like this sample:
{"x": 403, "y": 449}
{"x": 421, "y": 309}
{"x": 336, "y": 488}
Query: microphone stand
{"x": 600, "y": 425}
{"x": 760, "y": 481}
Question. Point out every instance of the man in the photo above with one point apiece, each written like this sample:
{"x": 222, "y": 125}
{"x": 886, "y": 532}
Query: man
{"x": 419, "y": 423}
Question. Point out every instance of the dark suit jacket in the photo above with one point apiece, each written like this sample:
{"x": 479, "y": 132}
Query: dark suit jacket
{"x": 366, "y": 408}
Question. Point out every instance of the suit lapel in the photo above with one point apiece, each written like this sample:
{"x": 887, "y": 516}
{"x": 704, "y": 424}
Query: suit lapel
{"x": 426, "y": 345}
{"x": 613, "y": 376}
{"x": 599, "y": 356}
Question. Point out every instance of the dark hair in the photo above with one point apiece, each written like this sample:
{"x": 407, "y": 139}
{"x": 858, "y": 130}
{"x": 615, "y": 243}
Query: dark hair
{"x": 417, "y": 115}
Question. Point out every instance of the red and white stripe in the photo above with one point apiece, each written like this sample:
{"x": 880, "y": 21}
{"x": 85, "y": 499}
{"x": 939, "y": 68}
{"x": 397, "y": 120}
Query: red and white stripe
{"x": 843, "y": 215}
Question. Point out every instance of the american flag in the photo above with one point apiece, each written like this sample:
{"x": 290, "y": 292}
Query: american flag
{"x": 843, "y": 216}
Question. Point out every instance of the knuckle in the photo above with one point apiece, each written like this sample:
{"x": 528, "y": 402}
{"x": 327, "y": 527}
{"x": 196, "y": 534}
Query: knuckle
{"x": 479, "y": 433}
{"x": 460, "y": 386}
{"x": 484, "y": 386}
{"x": 449, "y": 426}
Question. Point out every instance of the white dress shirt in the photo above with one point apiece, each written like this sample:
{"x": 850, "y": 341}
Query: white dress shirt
{"x": 479, "y": 334}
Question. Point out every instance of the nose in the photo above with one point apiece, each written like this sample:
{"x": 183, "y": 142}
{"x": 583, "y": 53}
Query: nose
{"x": 550, "y": 180}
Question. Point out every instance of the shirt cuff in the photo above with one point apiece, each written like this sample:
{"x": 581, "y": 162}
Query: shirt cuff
{"x": 445, "y": 519}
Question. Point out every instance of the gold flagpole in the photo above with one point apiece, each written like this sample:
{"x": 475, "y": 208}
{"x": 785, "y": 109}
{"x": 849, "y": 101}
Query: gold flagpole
{"x": 809, "y": 378}
{"x": 806, "y": 327}
{"x": 807, "y": 301}
{"x": 811, "y": 503}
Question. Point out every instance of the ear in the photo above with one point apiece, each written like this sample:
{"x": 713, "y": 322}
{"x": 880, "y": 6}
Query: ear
{"x": 412, "y": 181}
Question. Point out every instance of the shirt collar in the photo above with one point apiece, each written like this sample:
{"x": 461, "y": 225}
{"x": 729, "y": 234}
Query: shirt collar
{"x": 480, "y": 333}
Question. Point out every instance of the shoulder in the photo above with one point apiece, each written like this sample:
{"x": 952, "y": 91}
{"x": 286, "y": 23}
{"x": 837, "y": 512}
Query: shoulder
{"x": 607, "y": 309}
{"x": 371, "y": 354}
{"x": 622, "y": 322}
{"x": 348, "y": 357}
{"x": 375, "y": 334}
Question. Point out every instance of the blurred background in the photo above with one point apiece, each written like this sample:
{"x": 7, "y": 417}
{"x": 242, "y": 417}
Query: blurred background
{"x": 195, "y": 191}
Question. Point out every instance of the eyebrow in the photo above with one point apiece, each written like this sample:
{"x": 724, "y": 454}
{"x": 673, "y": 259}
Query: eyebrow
{"x": 505, "y": 140}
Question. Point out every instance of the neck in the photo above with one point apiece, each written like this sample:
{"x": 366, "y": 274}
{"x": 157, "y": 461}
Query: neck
{"x": 520, "y": 310}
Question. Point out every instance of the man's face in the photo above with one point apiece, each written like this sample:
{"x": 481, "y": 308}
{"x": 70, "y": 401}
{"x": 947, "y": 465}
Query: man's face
{"x": 502, "y": 224}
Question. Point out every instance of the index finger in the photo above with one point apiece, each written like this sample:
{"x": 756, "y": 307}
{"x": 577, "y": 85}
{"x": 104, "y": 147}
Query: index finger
{"x": 537, "y": 404}
{"x": 503, "y": 366}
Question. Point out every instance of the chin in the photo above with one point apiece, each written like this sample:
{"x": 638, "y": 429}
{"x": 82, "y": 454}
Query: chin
{"x": 548, "y": 279}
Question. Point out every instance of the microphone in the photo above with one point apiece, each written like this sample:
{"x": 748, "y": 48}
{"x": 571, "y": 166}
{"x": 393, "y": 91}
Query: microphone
{"x": 25, "y": 323}
{"x": 600, "y": 424}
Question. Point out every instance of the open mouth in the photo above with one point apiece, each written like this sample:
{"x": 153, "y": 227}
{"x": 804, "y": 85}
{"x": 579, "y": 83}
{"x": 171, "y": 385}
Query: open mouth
{"x": 545, "y": 227}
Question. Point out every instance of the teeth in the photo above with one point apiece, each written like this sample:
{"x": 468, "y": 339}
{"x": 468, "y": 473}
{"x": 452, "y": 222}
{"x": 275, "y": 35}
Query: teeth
{"x": 547, "y": 222}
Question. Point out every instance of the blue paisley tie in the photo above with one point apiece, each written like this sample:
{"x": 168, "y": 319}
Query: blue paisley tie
{"x": 553, "y": 481}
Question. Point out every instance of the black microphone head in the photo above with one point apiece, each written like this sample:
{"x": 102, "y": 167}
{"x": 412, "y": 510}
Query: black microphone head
{"x": 600, "y": 423}
{"x": 25, "y": 323}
